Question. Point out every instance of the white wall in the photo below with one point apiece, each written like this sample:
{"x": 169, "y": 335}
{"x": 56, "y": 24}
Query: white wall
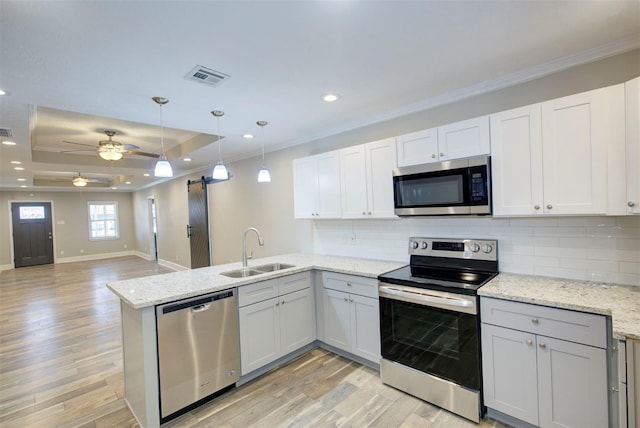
{"x": 584, "y": 248}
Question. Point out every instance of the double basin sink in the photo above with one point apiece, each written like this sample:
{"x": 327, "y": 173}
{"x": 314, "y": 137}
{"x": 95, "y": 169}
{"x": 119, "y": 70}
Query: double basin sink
{"x": 257, "y": 270}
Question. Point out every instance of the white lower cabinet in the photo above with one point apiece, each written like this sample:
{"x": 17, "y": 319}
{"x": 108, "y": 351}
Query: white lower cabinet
{"x": 277, "y": 326}
{"x": 533, "y": 369}
{"x": 351, "y": 320}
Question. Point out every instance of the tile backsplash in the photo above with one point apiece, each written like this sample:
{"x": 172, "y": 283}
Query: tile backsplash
{"x": 604, "y": 249}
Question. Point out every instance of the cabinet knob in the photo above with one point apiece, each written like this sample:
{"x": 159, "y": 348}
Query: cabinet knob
{"x": 283, "y": 302}
{"x": 433, "y": 156}
{"x": 348, "y": 284}
{"x": 277, "y": 303}
{"x": 364, "y": 213}
{"x": 351, "y": 300}
{"x": 441, "y": 154}
{"x": 536, "y": 207}
{"x": 369, "y": 213}
{"x": 528, "y": 341}
{"x": 346, "y": 300}
{"x": 631, "y": 204}
{"x": 549, "y": 206}
{"x": 542, "y": 345}
{"x": 534, "y": 320}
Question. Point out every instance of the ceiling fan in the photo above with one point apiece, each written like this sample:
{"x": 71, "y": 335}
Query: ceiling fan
{"x": 113, "y": 150}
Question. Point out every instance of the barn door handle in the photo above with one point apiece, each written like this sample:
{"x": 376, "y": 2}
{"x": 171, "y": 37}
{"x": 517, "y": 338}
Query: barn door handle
{"x": 188, "y": 231}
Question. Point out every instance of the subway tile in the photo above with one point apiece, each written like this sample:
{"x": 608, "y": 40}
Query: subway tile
{"x": 556, "y": 272}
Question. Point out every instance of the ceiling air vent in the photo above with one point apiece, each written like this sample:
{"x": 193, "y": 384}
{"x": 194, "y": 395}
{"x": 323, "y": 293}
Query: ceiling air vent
{"x": 6, "y": 133}
{"x": 206, "y": 75}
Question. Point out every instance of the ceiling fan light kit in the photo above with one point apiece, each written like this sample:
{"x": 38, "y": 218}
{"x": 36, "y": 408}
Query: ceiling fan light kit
{"x": 163, "y": 167}
{"x": 79, "y": 181}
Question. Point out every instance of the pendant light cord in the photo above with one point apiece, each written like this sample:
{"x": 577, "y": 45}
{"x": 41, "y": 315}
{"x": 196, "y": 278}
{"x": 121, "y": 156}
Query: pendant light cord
{"x": 218, "y": 132}
{"x": 161, "y": 131}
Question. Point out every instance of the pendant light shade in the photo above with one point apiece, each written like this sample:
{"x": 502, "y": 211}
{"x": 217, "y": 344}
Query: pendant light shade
{"x": 264, "y": 176}
{"x": 163, "y": 167}
{"x": 220, "y": 171}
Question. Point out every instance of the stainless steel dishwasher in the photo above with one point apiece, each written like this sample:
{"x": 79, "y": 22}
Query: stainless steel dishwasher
{"x": 198, "y": 349}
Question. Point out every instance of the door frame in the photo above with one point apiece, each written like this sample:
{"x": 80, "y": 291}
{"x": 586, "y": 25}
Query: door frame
{"x": 53, "y": 226}
{"x": 153, "y": 243}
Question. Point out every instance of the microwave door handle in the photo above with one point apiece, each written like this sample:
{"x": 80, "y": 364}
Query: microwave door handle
{"x": 457, "y": 305}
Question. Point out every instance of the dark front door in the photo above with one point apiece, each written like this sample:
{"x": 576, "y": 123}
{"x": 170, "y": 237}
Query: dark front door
{"x": 32, "y": 233}
{"x": 198, "y": 227}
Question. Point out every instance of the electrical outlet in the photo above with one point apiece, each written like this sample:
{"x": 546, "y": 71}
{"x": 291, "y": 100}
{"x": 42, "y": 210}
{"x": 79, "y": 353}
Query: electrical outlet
{"x": 81, "y": 250}
{"x": 62, "y": 252}
{"x": 125, "y": 245}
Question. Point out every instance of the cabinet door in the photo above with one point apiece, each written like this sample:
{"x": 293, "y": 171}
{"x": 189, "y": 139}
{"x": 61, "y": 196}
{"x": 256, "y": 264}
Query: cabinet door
{"x": 575, "y": 154}
{"x": 572, "y": 384}
{"x": 328, "y": 196}
{"x": 516, "y": 161}
{"x": 365, "y": 327}
{"x": 259, "y": 335}
{"x": 509, "y": 372}
{"x": 353, "y": 182}
{"x": 380, "y": 162}
{"x": 418, "y": 147}
{"x": 464, "y": 139}
{"x": 632, "y": 89}
{"x": 296, "y": 320}
{"x": 337, "y": 321}
{"x": 305, "y": 187}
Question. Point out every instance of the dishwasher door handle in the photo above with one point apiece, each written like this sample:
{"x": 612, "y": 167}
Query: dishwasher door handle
{"x": 201, "y": 308}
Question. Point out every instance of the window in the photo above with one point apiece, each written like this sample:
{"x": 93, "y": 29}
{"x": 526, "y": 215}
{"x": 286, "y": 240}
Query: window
{"x": 31, "y": 212}
{"x": 103, "y": 220}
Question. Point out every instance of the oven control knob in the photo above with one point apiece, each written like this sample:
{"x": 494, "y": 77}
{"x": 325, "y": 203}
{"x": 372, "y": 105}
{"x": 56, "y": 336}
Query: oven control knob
{"x": 414, "y": 245}
{"x": 474, "y": 248}
{"x": 424, "y": 245}
{"x": 487, "y": 248}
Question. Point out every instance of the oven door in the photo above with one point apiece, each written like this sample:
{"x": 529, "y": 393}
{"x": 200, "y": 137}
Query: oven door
{"x": 431, "y": 331}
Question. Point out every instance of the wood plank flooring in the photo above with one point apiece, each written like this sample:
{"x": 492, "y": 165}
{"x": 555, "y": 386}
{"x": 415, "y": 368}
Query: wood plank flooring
{"x": 61, "y": 366}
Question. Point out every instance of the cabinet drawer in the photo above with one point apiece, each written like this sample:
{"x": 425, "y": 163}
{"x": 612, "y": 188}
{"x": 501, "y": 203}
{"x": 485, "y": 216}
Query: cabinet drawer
{"x": 290, "y": 283}
{"x": 367, "y": 287}
{"x": 579, "y": 327}
{"x": 257, "y": 292}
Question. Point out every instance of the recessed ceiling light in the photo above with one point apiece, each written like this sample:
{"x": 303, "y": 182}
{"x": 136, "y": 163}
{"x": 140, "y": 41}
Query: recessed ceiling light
{"x": 8, "y": 143}
{"x": 127, "y": 182}
{"x": 16, "y": 162}
{"x": 21, "y": 179}
{"x": 330, "y": 97}
{"x": 187, "y": 159}
{"x": 147, "y": 174}
{"x": 247, "y": 135}
{"x": 18, "y": 168}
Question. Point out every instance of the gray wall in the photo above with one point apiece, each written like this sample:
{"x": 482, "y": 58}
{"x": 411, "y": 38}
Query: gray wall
{"x": 72, "y": 236}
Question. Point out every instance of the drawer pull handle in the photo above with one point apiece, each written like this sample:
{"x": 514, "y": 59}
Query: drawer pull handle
{"x": 534, "y": 320}
{"x": 528, "y": 342}
{"x": 542, "y": 345}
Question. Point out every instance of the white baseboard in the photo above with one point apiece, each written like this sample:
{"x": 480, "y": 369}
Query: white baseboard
{"x": 143, "y": 255}
{"x": 171, "y": 265}
{"x": 95, "y": 257}
{"x": 6, "y": 267}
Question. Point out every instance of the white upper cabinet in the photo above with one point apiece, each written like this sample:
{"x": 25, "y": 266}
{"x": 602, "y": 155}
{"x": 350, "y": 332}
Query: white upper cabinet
{"x": 551, "y": 158}
{"x": 418, "y": 147}
{"x": 452, "y": 141}
{"x": 516, "y": 161}
{"x": 632, "y": 91}
{"x": 316, "y": 186}
{"x": 366, "y": 180}
{"x": 464, "y": 139}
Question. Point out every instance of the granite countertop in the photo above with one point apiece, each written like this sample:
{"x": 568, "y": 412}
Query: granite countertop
{"x": 158, "y": 289}
{"x": 621, "y": 302}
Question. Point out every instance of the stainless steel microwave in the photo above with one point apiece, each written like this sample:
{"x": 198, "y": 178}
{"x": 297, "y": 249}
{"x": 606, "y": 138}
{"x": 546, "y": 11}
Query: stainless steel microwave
{"x": 456, "y": 187}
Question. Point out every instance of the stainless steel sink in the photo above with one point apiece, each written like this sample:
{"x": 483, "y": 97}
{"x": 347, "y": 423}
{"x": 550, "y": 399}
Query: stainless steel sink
{"x": 242, "y": 273}
{"x": 257, "y": 270}
{"x": 272, "y": 267}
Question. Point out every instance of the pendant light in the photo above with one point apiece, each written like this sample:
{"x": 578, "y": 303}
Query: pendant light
{"x": 263, "y": 175}
{"x": 163, "y": 167}
{"x": 79, "y": 181}
{"x": 220, "y": 171}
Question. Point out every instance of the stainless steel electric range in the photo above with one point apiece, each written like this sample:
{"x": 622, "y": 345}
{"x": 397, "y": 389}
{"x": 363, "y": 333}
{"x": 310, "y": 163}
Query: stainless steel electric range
{"x": 430, "y": 324}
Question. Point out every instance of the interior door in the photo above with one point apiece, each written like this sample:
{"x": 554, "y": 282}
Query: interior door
{"x": 198, "y": 227}
{"x": 32, "y": 233}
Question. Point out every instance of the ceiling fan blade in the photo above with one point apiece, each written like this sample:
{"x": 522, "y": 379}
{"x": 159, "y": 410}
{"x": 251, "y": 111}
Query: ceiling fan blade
{"x": 79, "y": 144}
{"x": 76, "y": 151}
{"x": 130, "y": 147}
{"x": 134, "y": 152}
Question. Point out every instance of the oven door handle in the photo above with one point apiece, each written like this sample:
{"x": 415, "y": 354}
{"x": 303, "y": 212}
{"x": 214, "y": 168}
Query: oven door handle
{"x": 421, "y": 297}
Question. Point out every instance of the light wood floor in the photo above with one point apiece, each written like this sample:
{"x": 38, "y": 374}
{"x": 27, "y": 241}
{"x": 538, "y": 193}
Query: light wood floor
{"x": 61, "y": 365}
